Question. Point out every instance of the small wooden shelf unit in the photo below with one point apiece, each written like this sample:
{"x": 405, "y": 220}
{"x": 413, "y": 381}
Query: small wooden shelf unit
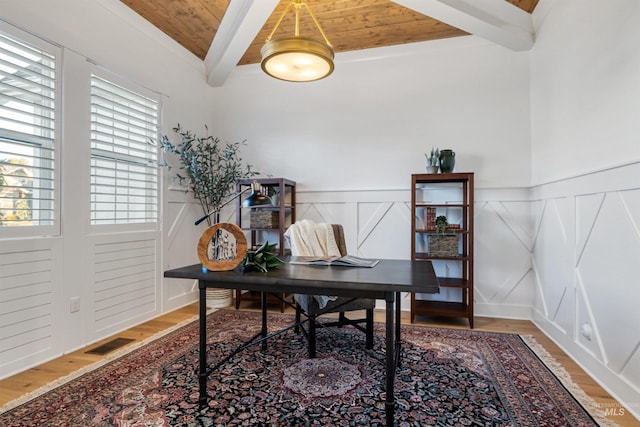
{"x": 449, "y": 194}
{"x": 286, "y": 214}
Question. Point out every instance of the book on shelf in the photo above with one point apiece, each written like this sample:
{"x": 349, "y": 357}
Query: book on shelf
{"x": 430, "y": 219}
{"x": 341, "y": 261}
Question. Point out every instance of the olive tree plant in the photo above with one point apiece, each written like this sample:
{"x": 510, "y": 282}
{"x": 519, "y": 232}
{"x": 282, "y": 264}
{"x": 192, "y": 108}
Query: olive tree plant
{"x": 208, "y": 168}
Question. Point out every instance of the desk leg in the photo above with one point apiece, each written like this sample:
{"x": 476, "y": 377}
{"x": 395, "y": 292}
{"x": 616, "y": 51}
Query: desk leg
{"x": 202, "y": 372}
{"x": 398, "y": 340}
{"x": 263, "y": 303}
{"x": 390, "y": 402}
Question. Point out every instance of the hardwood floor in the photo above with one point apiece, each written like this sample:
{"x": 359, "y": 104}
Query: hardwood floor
{"x": 27, "y": 381}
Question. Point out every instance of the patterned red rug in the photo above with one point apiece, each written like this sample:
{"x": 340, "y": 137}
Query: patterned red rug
{"x": 447, "y": 377}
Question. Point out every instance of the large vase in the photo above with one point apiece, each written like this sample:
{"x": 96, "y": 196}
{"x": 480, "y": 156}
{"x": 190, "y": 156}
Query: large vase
{"x": 447, "y": 161}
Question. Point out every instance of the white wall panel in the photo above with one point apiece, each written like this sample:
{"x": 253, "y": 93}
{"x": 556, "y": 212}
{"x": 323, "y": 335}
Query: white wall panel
{"x": 586, "y": 258}
{"x": 124, "y": 279}
{"x": 378, "y": 225}
{"x": 384, "y": 230}
{"x": 608, "y": 263}
{"x": 554, "y": 263}
{"x": 180, "y": 246}
{"x": 502, "y": 259}
{"x": 30, "y": 288}
{"x": 586, "y": 331}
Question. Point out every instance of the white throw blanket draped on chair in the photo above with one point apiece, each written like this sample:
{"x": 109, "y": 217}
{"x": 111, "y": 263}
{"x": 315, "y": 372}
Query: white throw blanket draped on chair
{"x": 307, "y": 238}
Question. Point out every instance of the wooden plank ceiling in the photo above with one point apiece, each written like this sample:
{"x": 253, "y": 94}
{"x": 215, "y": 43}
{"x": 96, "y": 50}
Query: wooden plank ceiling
{"x": 349, "y": 24}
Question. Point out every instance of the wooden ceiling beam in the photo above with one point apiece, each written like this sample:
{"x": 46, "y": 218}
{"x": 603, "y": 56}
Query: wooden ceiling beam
{"x": 496, "y": 20}
{"x": 241, "y": 23}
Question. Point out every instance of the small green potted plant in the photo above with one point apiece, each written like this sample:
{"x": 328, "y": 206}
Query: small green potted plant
{"x": 262, "y": 259}
{"x": 442, "y": 244}
{"x": 441, "y": 224}
{"x": 432, "y": 160}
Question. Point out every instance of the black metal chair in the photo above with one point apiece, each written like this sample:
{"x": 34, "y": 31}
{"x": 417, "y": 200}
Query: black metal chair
{"x": 309, "y": 306}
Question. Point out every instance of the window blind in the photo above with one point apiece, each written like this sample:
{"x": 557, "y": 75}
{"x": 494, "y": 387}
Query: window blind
{"x": 27, "y": 134}
{"x": 124, "y": 160}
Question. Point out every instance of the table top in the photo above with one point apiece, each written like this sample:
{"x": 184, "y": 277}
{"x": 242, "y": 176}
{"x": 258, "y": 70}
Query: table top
{"x": 377, "y": 282}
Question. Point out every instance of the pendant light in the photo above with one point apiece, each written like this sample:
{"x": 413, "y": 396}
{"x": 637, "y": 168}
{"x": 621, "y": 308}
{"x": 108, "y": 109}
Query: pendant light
{"x": 297, "y": 58}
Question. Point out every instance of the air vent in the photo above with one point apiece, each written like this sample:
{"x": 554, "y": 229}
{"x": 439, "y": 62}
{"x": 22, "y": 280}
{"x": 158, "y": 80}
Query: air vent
{"x": 108, "y": 347}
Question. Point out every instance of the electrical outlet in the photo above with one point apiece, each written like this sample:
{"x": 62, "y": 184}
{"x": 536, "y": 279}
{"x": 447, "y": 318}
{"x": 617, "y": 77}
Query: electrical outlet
{"x": 74, "y": 304}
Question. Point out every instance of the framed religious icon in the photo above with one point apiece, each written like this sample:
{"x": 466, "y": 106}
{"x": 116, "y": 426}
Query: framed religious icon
{"x": 222, "y": 247}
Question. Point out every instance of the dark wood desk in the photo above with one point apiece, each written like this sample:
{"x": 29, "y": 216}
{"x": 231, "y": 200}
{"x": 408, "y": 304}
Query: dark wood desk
{"x": 385, "y": 281}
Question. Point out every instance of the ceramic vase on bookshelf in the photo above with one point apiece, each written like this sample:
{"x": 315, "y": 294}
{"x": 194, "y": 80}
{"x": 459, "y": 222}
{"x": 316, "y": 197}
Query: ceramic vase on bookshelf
{"x": 447, "y": 161}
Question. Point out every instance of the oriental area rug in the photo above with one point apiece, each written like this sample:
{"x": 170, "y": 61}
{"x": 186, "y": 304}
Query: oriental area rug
{"x": 446, "y": 378}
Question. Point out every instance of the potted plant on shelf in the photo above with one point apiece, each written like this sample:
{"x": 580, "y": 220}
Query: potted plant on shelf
{"x": 441, "y": 224}
{"x": 432, "y": 160}
{"x": 442, "y": 244}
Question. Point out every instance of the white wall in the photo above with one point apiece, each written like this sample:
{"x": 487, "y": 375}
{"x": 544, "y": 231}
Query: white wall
{"x": 585, "y": 87}
{"x": 585, "y": 105}
{"x": 368, "y": 125}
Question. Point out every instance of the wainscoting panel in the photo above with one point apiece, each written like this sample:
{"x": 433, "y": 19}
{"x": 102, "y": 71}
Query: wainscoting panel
{"x": 29, "y": 291}
{"x": 604, "y": 268}
{"x": 378, "y": 225}
{"x": 555, "y": 290}
{"x": 324, "y": 209}
{"x": 179, "y": 249}
{"x": 503, "y": 263}
{"x": 331, "y": 212}
{"x": 586, "y": 261}
{"x": 180, "y": 243}
{"x": 125, "y": 277}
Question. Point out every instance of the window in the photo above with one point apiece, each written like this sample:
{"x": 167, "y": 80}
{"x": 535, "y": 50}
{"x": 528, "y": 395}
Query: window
{"x": 124, "y": 158}
{"x": 27, "y": 134}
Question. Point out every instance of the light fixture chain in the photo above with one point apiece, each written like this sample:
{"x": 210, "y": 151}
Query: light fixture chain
{"x": 326, "y": 40}
{"x": 275, "y": 27}
{"x": 298, "y": 4}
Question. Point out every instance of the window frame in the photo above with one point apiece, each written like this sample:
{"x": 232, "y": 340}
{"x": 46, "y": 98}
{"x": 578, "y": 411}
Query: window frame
{"x": 127, "y": 84}
{"x": 53, "y": 229}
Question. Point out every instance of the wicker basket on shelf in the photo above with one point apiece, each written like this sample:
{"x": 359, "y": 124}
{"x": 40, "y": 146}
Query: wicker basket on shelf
{"x": 443, "y": 245}
{"x": 263, "y": 218}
